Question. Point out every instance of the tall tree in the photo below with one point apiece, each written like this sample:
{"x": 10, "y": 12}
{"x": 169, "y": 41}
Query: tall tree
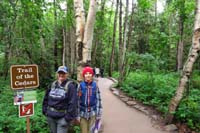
{"x": 180, "y": 45}
{"x": 64, "y": 46}
{"x": 55, "y": 36}
{"x": 85, "y": 35}
{"x": 113, "y": 40}
{"x": 187, "y": 69}
{"x": 130, "y": 27}
{"x": 156, "y": 11}
{"x": 100, "y": 31}
{"x": 120, "y": 59}
{"x": 80, "y": 25}
{"x": 122, "y": 65}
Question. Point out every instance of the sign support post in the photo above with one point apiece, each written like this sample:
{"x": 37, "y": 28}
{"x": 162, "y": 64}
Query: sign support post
{"x": 28, "y": 124}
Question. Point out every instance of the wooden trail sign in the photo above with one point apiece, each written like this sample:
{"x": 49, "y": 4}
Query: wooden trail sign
{"x": 24, "y": 76}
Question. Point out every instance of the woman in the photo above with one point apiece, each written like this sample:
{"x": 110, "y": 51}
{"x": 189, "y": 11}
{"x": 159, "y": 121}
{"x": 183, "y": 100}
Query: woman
{"x": 60, "y": 102}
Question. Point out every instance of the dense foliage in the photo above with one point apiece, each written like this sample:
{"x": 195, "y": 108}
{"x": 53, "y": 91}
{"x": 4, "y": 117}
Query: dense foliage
{"x": 36, "y": 31}
{"x": 9, "y": 119}
{"x": 157, "y": 91}
{"x": 9, "y": 116}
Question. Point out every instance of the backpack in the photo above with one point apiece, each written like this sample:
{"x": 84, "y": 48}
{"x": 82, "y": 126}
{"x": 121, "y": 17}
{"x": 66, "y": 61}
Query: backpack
{"x": 74, "y": 82}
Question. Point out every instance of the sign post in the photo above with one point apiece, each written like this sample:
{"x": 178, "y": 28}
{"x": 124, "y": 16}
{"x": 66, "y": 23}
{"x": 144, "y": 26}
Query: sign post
{"x": 24, "y": 77}
{"x": 28, "y": 124}
{"x": 26, "y": 110}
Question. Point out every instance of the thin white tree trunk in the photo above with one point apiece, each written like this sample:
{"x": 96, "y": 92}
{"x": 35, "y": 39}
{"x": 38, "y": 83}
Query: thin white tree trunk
{"x": 125, "y": 31}
{"x": 124, "y": 42}
{"x": 80, "y": 19}
{"x": 80, "y": 24}
{"x": 88, "y": 34}
{"x": 84, "y": 34}
{"x": 187, "y": 69}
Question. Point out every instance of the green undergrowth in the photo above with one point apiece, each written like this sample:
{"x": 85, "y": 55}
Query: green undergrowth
{"x": 9, "y": 116}
{"x": 157, "y": 89}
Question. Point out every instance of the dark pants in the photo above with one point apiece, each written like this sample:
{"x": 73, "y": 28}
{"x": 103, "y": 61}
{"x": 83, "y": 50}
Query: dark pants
{"x": 57, "y": 125}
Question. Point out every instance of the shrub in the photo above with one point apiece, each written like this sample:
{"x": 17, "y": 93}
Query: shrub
{"x": 9, "y": 119}
{"x": 158, "y": 89}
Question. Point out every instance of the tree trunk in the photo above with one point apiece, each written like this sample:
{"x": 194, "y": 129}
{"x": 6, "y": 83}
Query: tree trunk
{"x": 130, "y": 28}
{"x": 113, "y": 41}
{"x": 42, "y": 42}
{"x": 68, "y": 49}
{"x": 73, "y": 60}
{"x": 156, "y": 13}
{"x": 80, "y": 24}
{"x": 169, "y": 42}
{"x": 64, "y": 47}
{"x": 120, "y": 58}
{"x": 7, "y": 54}
{"x": 125, "y": 31}
{"x": 55, "y": 38}
{"x": 84, "y": 43}
{"x": 121, "y": 51}
{"x": 88, "y": 33}
{"x": 122, "y": 72}
{"x": 180, "y": 47}
{"x": 94, "y": 52}
{"x": 98, "y": 40}
{"x": 187, "y": 70}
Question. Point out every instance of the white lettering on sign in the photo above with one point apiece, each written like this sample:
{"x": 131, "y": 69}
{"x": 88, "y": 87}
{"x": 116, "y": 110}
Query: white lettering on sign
{"x": 24, "y": 76}
{"x": 24, "y": 83}
{"x": 28, "y": 76}
{"x": 19, "y": 76}
{"x": 23, "y": 70}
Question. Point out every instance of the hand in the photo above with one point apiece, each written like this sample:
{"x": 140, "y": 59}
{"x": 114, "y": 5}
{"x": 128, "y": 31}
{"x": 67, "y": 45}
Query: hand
{"x": 75, "y": 122}
{"x": 78, "y": 119}
{"x": 98, "y": 117}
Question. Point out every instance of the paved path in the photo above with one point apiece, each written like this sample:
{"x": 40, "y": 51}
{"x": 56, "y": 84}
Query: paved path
{"x": 118, "y": 117}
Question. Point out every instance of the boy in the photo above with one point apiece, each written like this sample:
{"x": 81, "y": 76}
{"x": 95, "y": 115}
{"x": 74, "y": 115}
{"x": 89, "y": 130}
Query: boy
{"x": 90, "y": 108}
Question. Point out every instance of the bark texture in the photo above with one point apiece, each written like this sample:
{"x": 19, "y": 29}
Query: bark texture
{"x": 187, "y": 69}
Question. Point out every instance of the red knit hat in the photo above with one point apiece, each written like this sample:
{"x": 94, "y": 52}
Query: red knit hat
{"x": 87, "y": 69}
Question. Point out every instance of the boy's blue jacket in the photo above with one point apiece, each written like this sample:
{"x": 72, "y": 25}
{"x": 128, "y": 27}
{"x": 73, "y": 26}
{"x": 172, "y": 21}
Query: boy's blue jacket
{"x": 89, "y": 100}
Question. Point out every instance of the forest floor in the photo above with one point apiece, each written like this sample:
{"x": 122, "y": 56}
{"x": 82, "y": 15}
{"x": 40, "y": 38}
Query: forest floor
{"x": 118, "y": 117}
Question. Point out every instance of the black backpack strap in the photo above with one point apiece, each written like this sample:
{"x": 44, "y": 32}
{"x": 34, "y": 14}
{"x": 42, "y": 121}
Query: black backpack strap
{"x": 66, "y": 85}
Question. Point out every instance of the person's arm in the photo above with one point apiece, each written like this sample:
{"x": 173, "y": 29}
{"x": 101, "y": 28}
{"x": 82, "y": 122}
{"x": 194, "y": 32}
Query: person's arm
{"x": 45, "y": 102}
{"x": 72, "y": 103}
{"x": 78, "y": 102}
{"x": 99, "y": 104}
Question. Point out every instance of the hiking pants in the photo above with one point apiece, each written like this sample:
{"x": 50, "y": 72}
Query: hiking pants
{"x": 87, "y": 124}
{"x": 57, "y": 125}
